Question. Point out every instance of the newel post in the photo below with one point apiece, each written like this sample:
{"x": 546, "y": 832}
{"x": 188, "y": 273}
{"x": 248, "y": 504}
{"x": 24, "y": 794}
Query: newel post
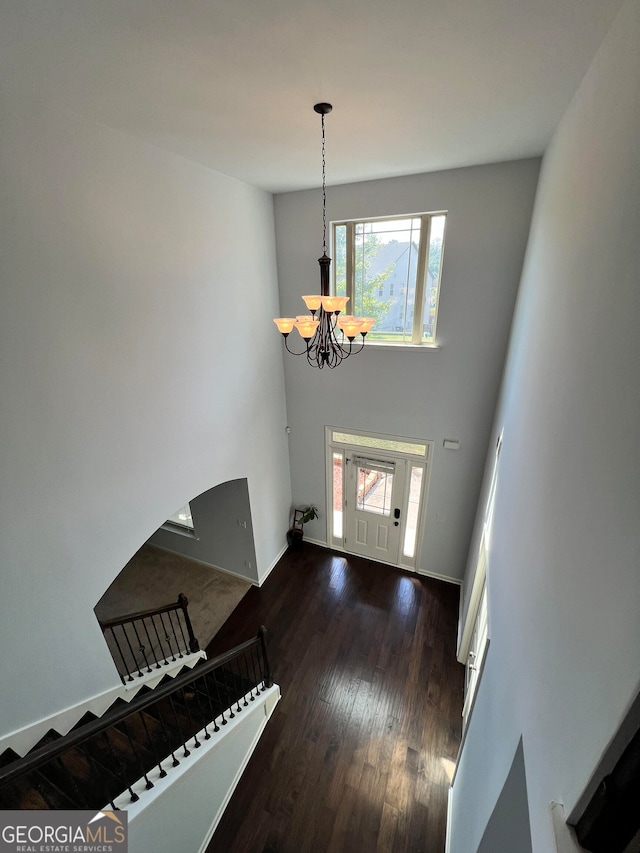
{"x": 183, "y": 602}
{"x": 267, "y": 673}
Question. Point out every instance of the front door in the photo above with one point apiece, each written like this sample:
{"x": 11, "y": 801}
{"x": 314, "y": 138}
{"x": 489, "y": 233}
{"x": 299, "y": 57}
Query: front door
{"x": 373, "y": 506}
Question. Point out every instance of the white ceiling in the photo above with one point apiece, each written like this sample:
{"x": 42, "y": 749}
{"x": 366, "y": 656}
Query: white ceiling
{"x": 416, "y": 85}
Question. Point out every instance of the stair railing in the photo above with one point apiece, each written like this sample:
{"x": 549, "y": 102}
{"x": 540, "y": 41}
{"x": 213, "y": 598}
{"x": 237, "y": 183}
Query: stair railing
{"x": 97, "y": 762}
{"x": 150, "y": 639}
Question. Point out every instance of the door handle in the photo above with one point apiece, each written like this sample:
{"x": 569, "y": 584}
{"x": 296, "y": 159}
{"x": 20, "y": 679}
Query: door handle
{"x": 396, "y": 513}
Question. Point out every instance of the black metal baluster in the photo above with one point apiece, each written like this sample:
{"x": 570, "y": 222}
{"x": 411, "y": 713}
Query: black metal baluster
{"x": 124, "y": 662}
{"x": 203, "y": 711}
{"x": 261, "y": 676}
{"x": 119, "y": 763}
{"x": 213, "y": 676}
{"x": 175, "y": 636}
{"x": 133, "y": 654}
{"x": 167, "y": 637}
{"x": 255, "y": 664}
{"x": 238, "y": 689}
{"x": 228, "y": 697}
{"x": 160, "y": 646}
{"x": 244, "y": 692}
{"x": 153, "y": 651}
{"x": 152, "y": 742}
{"x": 179, "y": 727}
{"x": 96, "y": 773}
{"x": 256, "y": 669}
{"x": 132, "y": 743}
{"x": 141, "y": 646}
{"x": 165, "y": 734}
{"x": 251, "y": 682}
{"x": 213, "y": 715}
{"x": 184, "y": 639}
{"x": 187, "y": 705}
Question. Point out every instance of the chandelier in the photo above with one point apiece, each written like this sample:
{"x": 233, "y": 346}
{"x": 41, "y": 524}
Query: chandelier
{"x": 328, "y": 334}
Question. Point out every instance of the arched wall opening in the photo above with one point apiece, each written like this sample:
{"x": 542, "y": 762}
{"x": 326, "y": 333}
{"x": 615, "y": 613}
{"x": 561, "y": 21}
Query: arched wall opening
{"x": 213, "y": 563}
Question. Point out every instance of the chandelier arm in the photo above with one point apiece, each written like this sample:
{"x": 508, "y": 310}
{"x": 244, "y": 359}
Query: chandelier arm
{"x": 344, "y": 345}
{"x": 360, "y": 348}
{"x": 316, "y": 349}
{"x": 293, "y": 352}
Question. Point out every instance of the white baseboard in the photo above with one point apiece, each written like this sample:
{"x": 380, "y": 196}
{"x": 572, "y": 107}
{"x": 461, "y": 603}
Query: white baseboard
{"x": 436, "y": 576}
{"x": 252, "y": 581}
{"x": 321, "y": 544}
{"x": 272, "y": 566}
{"x": 447, "y": 838}
{"x": 446, "y": 578}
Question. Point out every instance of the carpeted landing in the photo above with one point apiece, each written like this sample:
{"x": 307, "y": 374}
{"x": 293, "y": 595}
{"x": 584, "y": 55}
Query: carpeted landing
{"x": 153, "y": 578}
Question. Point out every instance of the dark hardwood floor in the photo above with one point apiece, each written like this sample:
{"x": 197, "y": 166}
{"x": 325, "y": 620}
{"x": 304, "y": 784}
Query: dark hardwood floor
{"x": 356, "y": 755}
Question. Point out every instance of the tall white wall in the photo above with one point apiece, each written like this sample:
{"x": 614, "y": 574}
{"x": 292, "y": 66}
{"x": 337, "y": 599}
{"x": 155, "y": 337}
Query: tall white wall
{"x": 451, "y": 393}
{"x": 564, "y": 587}
{"x": 126, "y": 389}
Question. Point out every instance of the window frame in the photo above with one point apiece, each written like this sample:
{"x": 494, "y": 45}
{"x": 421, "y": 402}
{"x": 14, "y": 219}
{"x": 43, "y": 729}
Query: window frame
{"x": 422, "y": 271}
{"x": 180, "y": 527}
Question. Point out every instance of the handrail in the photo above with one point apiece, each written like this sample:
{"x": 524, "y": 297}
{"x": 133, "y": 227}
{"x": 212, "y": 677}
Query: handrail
{"x": 182, "y": 602}
{"x": 41, "y": 756}
{"x": 134, "y": 656}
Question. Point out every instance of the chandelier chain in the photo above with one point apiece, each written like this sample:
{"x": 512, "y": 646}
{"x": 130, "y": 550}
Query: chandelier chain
{"x": 324, "y": 194}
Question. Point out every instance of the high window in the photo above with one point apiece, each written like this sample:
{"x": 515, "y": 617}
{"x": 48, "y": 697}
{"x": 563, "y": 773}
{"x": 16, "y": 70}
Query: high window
{"x": 390, "y": 268}
{"x": 182, "y": 518}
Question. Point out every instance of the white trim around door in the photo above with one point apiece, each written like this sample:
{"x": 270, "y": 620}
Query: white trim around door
{"x": 377, "y": 489}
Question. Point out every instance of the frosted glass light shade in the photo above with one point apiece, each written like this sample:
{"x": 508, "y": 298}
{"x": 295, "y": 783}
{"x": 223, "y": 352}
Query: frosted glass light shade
{"x": 307, "y": 327}
{"x": 334, "y": 303}
{"x": 352, "y": 327}
{"x": 367, "y": 323}
{"x": 312, "y": 302}
{"x": 284, "y": 324}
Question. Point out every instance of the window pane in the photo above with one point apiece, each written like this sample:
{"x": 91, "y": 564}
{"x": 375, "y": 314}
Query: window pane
{"x": 432, "y": 288}
{"x": 340, "y": 260}
{"x": 386, "y": 263}
{"x": 182, "y": 517}
{"x": 337, "y": 494}
{"x": 374, "y": 490}
{"x": 380, "y": 443}
{"x": 415, "y": 488}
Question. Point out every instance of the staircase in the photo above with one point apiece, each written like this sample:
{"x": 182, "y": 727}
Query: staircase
{"x": 102, "y": 758}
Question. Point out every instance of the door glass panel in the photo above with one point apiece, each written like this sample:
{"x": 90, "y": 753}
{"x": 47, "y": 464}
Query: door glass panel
{"x": 374, "y": 490}
{"x": 337, "y": 494}
{"x": 415, "y": 489}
